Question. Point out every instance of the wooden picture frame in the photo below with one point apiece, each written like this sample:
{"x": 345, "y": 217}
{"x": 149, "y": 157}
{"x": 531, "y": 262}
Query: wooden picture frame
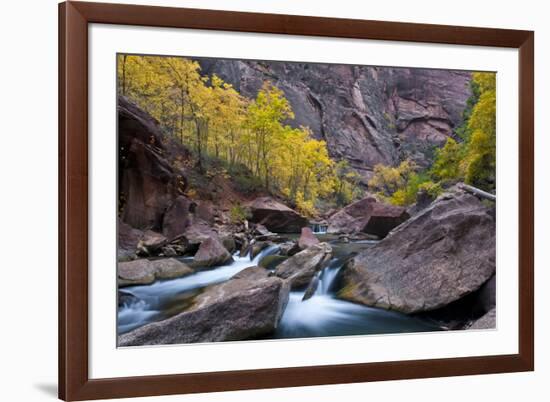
{"x": 74, "y": 381}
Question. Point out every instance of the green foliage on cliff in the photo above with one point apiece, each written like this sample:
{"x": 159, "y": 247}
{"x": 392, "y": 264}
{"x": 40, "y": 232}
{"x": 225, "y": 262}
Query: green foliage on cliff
{"x": 471, "y": 158}
{"x": 399, "y": 185}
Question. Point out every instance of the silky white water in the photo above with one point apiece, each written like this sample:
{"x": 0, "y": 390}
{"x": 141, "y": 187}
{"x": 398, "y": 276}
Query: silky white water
{"x": 322, "y": 315}
{"x": 151, "y": 298}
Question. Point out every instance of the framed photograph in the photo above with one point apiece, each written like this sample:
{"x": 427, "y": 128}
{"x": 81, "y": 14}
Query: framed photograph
{"x": 259, "y": 200}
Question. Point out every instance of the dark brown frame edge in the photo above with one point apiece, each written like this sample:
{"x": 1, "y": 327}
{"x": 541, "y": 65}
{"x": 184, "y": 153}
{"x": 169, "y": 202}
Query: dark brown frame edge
{"x": 74, "y": 383}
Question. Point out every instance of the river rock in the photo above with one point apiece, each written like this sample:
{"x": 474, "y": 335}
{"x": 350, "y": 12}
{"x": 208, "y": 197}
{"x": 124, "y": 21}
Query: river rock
{"x": 251, "y": 273}
{"x": 211, "y": 253}
{"x": 151, "y": 243}
{"x": 229, "y": 243}
{"x": 299, "y": 269}
{"x": 128, "y": 239}
{"x": 311, "y": 288}
{"x": 271, "y": 261}
{"x": 261, "y": 230}
{"x": 289, "y": 248}
{"x": 198, "y": 231}
{"x": 383, "y": 218}
{"x": 488, "y": 321}
{"x": 307, "y": 238}
{"x": 350, "y": 219}
{"x": 435, "y": 258}
{"x": 242, "y": 308}
{"x": 144, "y": 272}
{"x": 276, "y": 216}
{"x": 257, "y": 247}
{"x": 245, "y": 248}
{"x": 368, "y": 216}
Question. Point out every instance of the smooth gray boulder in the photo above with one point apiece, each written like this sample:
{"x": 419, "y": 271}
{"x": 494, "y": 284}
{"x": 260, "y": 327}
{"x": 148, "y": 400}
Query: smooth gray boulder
{"x": 144, "y": 271}
{"x": 246, "y": 307}
{"x": 300, "y": 269}
{"x": 440, "y": 255}
{"x": 275, "y": 216}
{"x": 211, "y": 253}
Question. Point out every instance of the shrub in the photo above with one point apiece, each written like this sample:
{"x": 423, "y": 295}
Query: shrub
{"x": 238, "y": 213}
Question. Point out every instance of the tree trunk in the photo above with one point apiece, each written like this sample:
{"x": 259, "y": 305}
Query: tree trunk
{"x": 478, "y": 192}
{"x": 182, "y": 113}
{"x": 199, "y": 145}
{"x": 124, "y": 75}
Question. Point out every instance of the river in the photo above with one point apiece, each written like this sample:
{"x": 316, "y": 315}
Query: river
{"x": 321, "y": 315}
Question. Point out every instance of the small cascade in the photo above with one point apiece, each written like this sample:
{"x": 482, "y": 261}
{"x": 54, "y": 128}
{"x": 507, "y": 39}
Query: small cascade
{"x": 327, "y": 277}
{"x": 318, "y": 228}
{"x": 270, "y": 250}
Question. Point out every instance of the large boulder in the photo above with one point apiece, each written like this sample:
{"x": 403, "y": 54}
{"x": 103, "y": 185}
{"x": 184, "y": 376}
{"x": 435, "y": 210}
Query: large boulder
{"x": 128, "y": 239}
{"x": 177, "y": 219}
{"x": 300, "y": 269}
{"x": 198, "y": 231}
{"x": 351, "y": 218}
{"x": 144, "y": 272}
{"x": 440, "y": 255}
{"x": 383, "y": 218}
{"x": 211, "y": 253}
{"x": 246, "y": 307}
{"x": 276, "y": 216}
{"x": 368, "y": 216}
{"x": 151, "y": 243}
{"x": 307, "y": 238}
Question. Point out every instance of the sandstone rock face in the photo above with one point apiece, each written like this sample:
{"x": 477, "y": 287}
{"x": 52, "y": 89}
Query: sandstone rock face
{"x": 367, "y": 115}
{"x": 307, "y": 238}
{"x": 241, "y": 308}
{"x": 128, "y": 239}
{"x": 176, "y": 219}
{"x": 367, "y": 216}
{"x": 440, "y": 255}
{"x": 211, "y": 253}
{"x": 488, "y": 321}
{"x": 276, "y": 216}
{"x": 148, "y": 183}
{"x": 144, "y": 272}
{"x": 300, "y": 269}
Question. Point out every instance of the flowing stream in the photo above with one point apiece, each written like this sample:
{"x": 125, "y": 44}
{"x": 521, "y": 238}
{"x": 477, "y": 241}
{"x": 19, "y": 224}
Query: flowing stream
{"x": 321, "y": 315}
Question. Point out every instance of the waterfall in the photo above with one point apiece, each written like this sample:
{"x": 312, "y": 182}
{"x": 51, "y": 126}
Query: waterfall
{"x": 318, "y": 228}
